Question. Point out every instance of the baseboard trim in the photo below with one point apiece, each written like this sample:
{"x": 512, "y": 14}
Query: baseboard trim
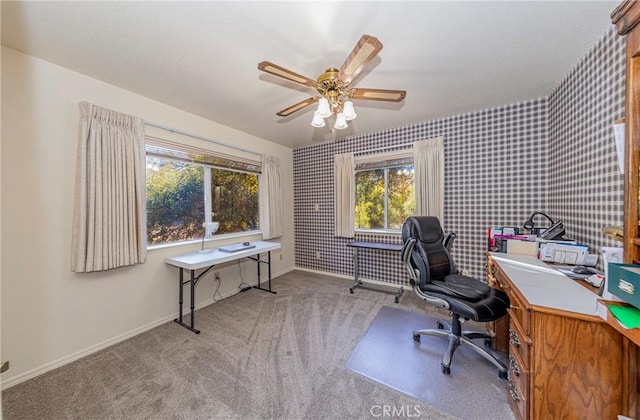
{"x": 343, "y": 276}
{"x": 12, "y": 381}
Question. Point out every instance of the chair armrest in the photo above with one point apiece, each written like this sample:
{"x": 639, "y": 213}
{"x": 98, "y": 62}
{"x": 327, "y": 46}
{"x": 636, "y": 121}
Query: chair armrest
{"x": 448, "y": 240}
{"x": 406, "y": 259}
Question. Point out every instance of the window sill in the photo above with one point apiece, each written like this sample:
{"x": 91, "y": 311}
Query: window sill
{"x": 221, "y": 239}
{"x": 374, "y": 232}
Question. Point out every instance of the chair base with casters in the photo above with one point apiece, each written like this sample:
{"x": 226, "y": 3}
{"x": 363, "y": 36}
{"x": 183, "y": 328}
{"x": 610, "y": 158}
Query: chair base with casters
{"x": 435, "y": 280}
{"x": 457, "y": 337}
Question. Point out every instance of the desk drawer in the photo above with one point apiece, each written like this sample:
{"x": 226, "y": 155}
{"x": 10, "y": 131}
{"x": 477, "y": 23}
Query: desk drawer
{"x": 519, "y": 312}
{"x": 519, "y": 372}
{"x": 520, "y": 343}
{"x": 517, "y": 401}
{"x": 518, "y": 386}
{"x": 517, "y": 309}
{"x": 496, "y": 278}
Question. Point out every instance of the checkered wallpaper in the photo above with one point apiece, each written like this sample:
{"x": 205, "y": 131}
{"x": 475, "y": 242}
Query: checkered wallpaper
{"x": 586, "y": 189}
{"x": 501, "y": 164}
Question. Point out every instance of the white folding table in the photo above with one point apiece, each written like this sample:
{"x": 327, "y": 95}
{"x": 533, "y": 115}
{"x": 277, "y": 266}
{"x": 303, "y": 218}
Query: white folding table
{"x": 207, "y": 261}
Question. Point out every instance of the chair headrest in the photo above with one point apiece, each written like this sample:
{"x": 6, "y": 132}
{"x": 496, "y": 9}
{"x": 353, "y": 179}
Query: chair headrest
{"x": 425, "y": 229}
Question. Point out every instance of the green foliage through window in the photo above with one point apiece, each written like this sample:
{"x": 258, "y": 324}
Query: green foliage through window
{"x": 176, "y": 205}
{"x": 385, "y": 197}
{"x": 175, "y": 201}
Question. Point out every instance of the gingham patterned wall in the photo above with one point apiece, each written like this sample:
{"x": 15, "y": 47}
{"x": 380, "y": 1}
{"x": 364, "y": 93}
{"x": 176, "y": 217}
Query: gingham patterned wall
{"x": 586, "y": 189}
{"x": 501, "y": 164}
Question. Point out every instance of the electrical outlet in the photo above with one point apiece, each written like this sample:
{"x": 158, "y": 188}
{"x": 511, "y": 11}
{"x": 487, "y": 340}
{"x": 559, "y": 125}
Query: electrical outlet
{"x": 317, "y": 255}
{"x": 217, "y": 276}
{"x": 316, "y": 207}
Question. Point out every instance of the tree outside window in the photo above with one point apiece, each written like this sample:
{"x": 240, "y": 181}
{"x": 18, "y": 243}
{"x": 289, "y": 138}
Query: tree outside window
{"x": 175, "y": 201}
{"x": 176, "y": 205}
{"x": 385, "y": 197}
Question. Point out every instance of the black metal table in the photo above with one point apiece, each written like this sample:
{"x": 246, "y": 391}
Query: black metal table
{"x": 357, "y": 245}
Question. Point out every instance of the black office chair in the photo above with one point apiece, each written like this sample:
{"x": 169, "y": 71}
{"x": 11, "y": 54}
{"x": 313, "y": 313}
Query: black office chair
{"x": 434, "y": 278}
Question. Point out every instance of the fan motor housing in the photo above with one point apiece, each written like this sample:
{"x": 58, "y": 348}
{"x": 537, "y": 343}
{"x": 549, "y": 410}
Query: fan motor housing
{"x": 331, "y": 87}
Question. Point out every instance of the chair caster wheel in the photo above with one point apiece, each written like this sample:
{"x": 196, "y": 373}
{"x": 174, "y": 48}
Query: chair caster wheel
{"x": 503, "y": 375}
{"x": 351, "y": 290}
{"x": 445, "y": 369}
{"x": 488, "y": 342}
{"x": 440, "y": 325}
{"x": 416, "y": 338}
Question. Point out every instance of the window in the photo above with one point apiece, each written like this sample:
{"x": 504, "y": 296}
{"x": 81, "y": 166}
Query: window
{"x": 385, "y": 193}
{"x": 187, "y": 186}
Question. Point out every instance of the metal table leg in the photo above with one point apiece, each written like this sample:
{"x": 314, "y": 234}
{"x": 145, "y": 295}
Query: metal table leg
{"x": 356, "y": 282}
{"x": 192, "y": 284}
{"x": 268, "y": 262}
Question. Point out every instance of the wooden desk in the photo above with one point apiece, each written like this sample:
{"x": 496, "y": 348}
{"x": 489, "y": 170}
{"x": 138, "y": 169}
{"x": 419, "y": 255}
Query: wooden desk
{"x": 207, "y": 261}
{"x": 565, "y": 362}
{"x": 356, "y": 245}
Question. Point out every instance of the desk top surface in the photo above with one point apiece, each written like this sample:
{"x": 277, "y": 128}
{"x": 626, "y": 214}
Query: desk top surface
{"x": 375, "y": 245}
{"x": 544, "y": 286}
{"x": 196, "y": 260}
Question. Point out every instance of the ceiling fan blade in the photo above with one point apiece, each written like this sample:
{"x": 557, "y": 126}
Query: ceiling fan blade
{"x": 378, "y": 94}
{"x": 365, "y": 50}
{"x": 293, "y": 108}
{"x": 285, "y": 74}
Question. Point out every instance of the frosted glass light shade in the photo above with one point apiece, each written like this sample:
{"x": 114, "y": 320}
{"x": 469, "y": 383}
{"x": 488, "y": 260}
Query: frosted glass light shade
{"x": 349, "y": 111}
{"x": 323, "y": 108}
{"x": 341, "y": 122}
{"x": 317, "y": 121}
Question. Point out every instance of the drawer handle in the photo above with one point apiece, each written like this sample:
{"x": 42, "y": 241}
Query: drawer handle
{"x": 514, "y": 365}
{"x": 513, "y": 338}
{"x": 513, "y": 391}
{"x": 517, "y": 308}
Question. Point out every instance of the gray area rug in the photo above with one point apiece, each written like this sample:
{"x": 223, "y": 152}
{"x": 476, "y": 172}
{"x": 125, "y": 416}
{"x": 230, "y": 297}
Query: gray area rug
{"x": 388, "y": 354}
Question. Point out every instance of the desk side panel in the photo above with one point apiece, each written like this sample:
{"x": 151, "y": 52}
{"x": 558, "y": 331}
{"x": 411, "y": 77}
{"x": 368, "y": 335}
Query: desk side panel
{"x": 578, "y": 367}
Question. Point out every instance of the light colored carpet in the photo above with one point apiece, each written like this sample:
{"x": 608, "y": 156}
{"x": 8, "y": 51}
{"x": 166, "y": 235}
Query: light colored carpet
{"x": 388, "y": 354}
{"x": 259, "y": 356}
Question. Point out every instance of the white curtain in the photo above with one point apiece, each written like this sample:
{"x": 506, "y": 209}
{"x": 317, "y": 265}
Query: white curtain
{"x": 428, "y": 161}
{"x": 271, "y": 198}
{"x": 109, "y": 221}
{"x": 345, "y": 195}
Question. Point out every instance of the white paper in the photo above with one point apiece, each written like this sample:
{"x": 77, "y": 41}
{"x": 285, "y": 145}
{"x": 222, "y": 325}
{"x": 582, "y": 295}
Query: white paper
{"x": 618, "y": 132}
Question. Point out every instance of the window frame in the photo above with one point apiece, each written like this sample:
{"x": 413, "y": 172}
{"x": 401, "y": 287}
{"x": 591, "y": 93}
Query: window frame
{"x": 227, "y": 162}
{"x": 386, "y": 160}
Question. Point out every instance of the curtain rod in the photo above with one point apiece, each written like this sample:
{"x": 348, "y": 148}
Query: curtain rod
{"x": 195, "y": 136}
{"x": 407, "y": 145}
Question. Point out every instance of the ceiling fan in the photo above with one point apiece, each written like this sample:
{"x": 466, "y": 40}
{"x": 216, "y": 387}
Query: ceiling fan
{"x": 333, "y": 86}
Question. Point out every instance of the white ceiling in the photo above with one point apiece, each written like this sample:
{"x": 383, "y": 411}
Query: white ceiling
{"x": 451, "y": 57}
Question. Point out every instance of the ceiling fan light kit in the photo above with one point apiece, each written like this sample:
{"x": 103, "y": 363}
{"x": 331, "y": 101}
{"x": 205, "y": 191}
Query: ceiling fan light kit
{"x": 341, "y": 122}
{"x": 323, "y": 108}
{"x": 333, "y": 86}
{"x": 317, "y": 121}
{"x": 349, "y": 111}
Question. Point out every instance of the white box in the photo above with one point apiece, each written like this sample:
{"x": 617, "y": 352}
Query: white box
{"x": 562, "y": 253}
{"x": 516, "y": 246}
{"x": 613, "y": 255}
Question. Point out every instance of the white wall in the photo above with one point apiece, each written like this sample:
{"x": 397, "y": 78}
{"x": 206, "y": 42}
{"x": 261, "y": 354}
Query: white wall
{"x": 49, "y": 315}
